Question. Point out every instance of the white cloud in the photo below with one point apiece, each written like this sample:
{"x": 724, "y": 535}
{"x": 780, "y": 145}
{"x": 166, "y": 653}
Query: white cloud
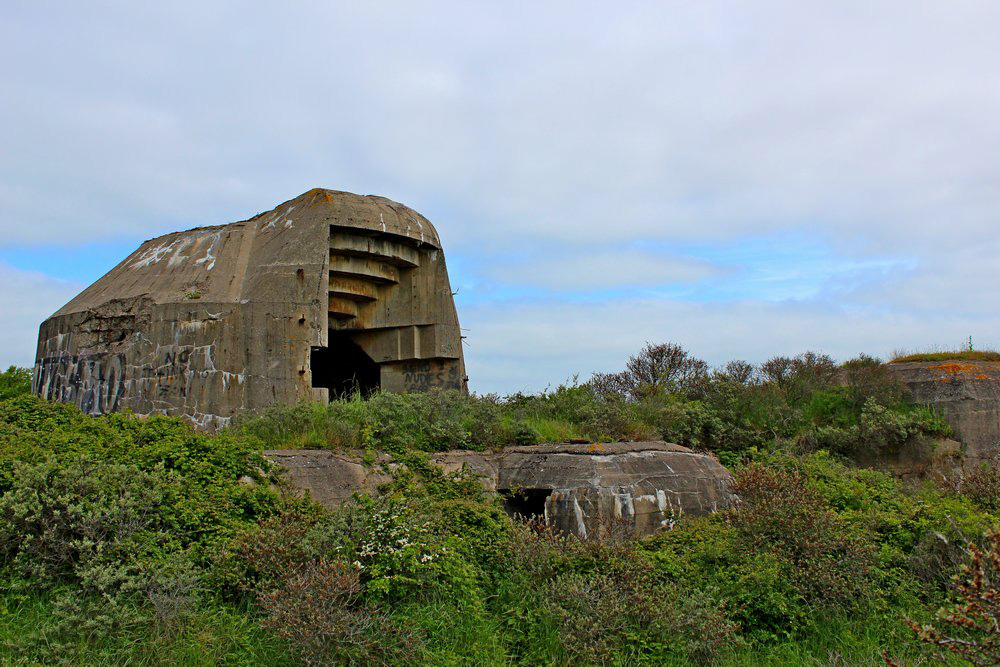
{"x": 867, "y": 127}
{"x": 526, "y": 347}
{"x": 601, "y": 270}
{"x": 28, "y": 298}
{"x": 873, "y": 122}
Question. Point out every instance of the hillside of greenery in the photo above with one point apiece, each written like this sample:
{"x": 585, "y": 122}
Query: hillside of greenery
{"x": 127, "y": 540}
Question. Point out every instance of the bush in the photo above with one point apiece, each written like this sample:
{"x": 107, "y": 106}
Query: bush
{"x": 318, "y": 609}
{"x": 15, "y": 382}
{"x": 797, "y": 378}
{"x": 866, "y": 377}
{"x": 879, "y": 429}
{"x": 972, "y": 626}
{"x": 657, "y": 368}
{"x": 429, "y": 421}
{"x": 602, "y": 618}
{"x": 337, "y": 425}
{"x": 982, "y": 486}
{"x": 607, "y": 603}
{"x": 782, "y": 515}
{"x": 681, "y": 421}
{"x": 58, "y": 521}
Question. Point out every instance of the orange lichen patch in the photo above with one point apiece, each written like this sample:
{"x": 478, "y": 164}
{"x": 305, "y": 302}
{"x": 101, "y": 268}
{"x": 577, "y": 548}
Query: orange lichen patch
{"x": 597, "y": 449}
{"x": 954, "y": 369}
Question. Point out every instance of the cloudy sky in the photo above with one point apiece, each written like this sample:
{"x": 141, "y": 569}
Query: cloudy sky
{"x": 746, "y": 179}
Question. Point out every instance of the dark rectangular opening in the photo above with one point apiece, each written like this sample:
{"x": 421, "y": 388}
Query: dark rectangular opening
{"x": 525, "y": 503}
{"x": 343, "y": 368}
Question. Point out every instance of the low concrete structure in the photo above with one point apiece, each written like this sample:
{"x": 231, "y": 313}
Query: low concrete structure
{"x": 966, "y": 394}
{"x": 580, "y": 489}
{"x": 326, "y": 292}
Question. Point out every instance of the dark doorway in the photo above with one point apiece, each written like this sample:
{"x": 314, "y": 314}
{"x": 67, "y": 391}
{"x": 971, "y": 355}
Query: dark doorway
{"x": 526, "y": 503}
{"x": 343, "y": 368}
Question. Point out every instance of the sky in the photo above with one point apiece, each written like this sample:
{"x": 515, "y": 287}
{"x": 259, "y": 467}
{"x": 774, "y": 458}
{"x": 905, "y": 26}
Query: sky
{"x": 744, "y": 179}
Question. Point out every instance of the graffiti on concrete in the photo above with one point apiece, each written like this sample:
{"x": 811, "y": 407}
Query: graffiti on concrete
{"x": 94, "y": 383}
{"x": 430, "y": 374}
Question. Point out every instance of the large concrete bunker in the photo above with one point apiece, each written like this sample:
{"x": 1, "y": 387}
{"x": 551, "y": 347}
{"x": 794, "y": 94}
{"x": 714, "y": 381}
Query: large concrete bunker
{"x": 326, "y": 293}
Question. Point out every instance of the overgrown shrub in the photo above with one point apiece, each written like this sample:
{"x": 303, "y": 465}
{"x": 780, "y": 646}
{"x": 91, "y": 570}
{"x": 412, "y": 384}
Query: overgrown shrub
{"x": 797, "y": 378}
{"x": 603, "y": 617}
{"x": 15, "y": 382}
{"x": 110, "y": 520}
{"x": 866, "y": 377}
{"x": 682, "y": 421}
{"x": 982, "y": 485}
{"x": 609, "y": 603}
{"x": 58, "y": 520}
{"x": 971, "y": 627}
{"x": 318, "y": 609}
{"x": 426, "y": 421}
{"x": 780, "y": 513}
{"x": 879, "y": 429}
{"x": 94, "y": 534}
{"x": 657, "y": 368}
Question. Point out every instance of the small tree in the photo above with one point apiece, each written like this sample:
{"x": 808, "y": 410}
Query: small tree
{"x": 798, "y": 377}
{"x": 657, "y": 368}
{"x": 14, "y": 382}
{"x": 971, "y": 628}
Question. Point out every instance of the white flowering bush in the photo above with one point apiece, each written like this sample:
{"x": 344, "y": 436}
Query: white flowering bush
{"x": 399, "y": 555}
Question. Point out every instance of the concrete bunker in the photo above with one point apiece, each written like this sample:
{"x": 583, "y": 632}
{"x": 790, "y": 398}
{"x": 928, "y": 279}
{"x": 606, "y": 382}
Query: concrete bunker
{"x": 636, "y": 488}
{"x": 326, "y": 294}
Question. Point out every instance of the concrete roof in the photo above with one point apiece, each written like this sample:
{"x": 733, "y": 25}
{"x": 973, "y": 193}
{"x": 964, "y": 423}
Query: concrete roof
{"x": 178, "y": 267}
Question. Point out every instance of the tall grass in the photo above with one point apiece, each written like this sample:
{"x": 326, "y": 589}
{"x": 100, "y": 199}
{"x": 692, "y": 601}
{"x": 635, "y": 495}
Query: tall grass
{"x": 214, "y": 634}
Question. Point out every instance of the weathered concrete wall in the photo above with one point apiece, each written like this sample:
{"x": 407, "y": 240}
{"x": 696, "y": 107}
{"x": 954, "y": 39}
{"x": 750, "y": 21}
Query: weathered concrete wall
{"x": 647, "y": 485}
{"x": 208, "y": 322}
{"x": 329, "y": 478}
{"x": 966, "y": 394}
{"x": 581, "y": 489}
{"x": 940, "y": 461}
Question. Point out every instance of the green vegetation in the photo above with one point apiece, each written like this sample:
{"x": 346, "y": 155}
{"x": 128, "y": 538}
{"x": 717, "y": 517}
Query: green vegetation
{"x": 959, "y": 355}
{"x": 15, "y": 382}
{"x": 139, "y": 541}
{"x": 804, "y": 404}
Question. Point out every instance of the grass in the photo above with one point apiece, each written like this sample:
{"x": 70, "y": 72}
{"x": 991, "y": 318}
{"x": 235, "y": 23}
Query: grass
{"x": 841, "y": 641}
{"x": 214, "y": 634}
{"x": 957, "y": 355}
